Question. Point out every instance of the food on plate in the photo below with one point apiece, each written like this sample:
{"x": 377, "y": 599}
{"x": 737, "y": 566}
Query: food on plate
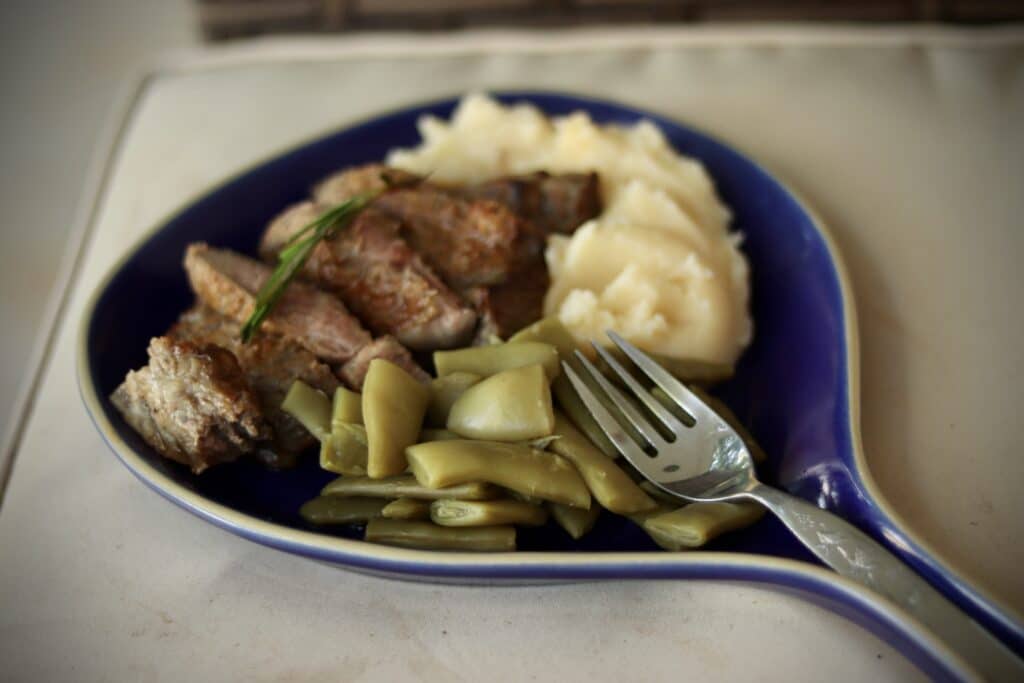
{"x": 228, "y": 283}
{"x": 416, "y": 534}
{"x": 407, "y": 486}
{"x": 487, "y": 512}
{"x": 396, "y": 324}
{"x": 517, "y": 467}
{"x": 338, "y": 510}
{"x": 495, "y": 358}
{"x": 394, "y": 404}
{"x": 694, "y": 525}
{"x": 407, "y": 508}
{"x": 381, "y": 279}
{"x": 513, "y": 405}
{"x": 576, "y": 522}
{"x": 658, "y": 264}
{"x": 192, "y": 404}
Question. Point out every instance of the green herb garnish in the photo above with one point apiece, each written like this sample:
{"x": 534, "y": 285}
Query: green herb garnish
{"x": 295, "y": 252}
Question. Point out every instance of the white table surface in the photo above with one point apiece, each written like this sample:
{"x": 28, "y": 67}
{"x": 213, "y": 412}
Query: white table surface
{"x": 908, "y": 143}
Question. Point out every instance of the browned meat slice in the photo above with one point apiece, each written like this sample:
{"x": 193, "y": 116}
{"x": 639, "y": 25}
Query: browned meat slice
{"x": 354, "y": 372}
{"x": 228, "y": 283}
{"x": 469, "y": 242}
{"x": 554, "y": 203}
{"x": 380, "y": 278}
{"x": 346, "y": 184}
{"x": 270, "y": 363}
{"x": 192, "y": 403}
{"x": 507, "y": 308}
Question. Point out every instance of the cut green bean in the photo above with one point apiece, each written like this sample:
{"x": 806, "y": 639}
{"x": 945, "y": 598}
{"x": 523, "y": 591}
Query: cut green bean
{"x": 573, "y": 407}
{"x": 334, "y": 510}
{"x": 438, "y": 435}
{"x": 429, "y": 536}
{"x": 576, "y": 521}
{"x": 443, "y": 393}
{"x": 348, "y": 407}
{"x": 310, "y": 407}
{"x": 533, "y": 473}
{"x": 345, "y": 452}
{"x": 514, "y": 405}
{"x": 406, "y": 486}
{"x": 490, "y": 360}
{"x": 696, "y": 524}
{"x": 486, "y": 513}
{"x": 612, "y": 487}
{"x": 551, "y": 331}
{"x": 393, "y": 406}
{"x": 407, "y": 508}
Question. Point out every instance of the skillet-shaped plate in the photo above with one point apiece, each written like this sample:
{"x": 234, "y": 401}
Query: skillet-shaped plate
{"x": 796, "y": 387}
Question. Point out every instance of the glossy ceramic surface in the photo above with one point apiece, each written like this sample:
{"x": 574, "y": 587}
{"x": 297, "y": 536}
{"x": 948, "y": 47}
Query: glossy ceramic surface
{"x": 796, "y": 387}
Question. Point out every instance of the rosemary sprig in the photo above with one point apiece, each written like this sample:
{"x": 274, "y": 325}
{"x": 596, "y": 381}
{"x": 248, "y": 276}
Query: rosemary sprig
{"x": 295, "y": 252}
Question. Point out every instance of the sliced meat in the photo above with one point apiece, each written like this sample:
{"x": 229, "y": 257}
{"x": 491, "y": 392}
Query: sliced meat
{"x": 554, "y": 203}
{"x": 509, "y": 307}
{"x": 192, "y": 403}
{"x": 346, "y": 184}
{"x": 270, "y": 363}
{"x": 228, "y": 283}
{"x": 468, "y": 241}
{"x": 354, "y": 372}
{"x": 380, "y": 278}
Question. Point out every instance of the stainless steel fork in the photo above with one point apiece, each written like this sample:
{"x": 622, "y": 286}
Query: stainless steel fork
{"x": 692, "y": 453}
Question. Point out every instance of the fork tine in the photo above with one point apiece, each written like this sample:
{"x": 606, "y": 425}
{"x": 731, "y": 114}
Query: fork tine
{"x": 608, "y": 424}
{"x": 686, "y": 399}
{"x": 632, "y": 415}
{"x": 670, "y": 421}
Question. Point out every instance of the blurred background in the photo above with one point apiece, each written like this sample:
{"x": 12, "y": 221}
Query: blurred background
{"x": 64, "y": 62}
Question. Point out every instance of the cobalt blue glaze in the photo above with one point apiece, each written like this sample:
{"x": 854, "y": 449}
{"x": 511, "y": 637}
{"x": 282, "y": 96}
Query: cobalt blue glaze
{"x": 791, "y": 386}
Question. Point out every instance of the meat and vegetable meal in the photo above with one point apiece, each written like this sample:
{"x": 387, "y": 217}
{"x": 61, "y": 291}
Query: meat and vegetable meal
{"x": 407, "y": 325}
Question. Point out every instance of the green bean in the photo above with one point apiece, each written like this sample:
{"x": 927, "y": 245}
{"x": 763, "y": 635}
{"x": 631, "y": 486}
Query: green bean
{"x": 684, "y": 369}
{"x": 612, "y": 487}
{"x": 345, "y": 452}
{"x": 576, "y": 521}
{"x": 514, "y": 405}
{"x": 490, "y": 360}
{"x": 573, "y": 407}
{"x": 413, "y": 534}
{"x": 310, "y": 407}
{"x": 486, "y": 513}
{"x": 696, "y": 524}
{"x": 406, "y": 486}
{"x": 531, "y": 472}
{"x": 438, "y": 435}
{"x": 348, "y": 407}
{"x": 443, "y": 393}
{"x": 334, "y": 510}
{"x": 551, "y": 331}
{"x": 393, "y": 407}
{"x": 407, "y": 508}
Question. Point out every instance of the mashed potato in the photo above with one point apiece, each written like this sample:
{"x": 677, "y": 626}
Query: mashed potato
{"x": 659, "y": 265}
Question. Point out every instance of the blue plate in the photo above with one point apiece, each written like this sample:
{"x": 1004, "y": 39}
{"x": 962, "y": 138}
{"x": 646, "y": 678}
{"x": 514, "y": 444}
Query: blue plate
{"x": 796, "y": 387}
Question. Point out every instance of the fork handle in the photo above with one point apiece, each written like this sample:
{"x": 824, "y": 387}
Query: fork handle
{"x": 855, "y": 555}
